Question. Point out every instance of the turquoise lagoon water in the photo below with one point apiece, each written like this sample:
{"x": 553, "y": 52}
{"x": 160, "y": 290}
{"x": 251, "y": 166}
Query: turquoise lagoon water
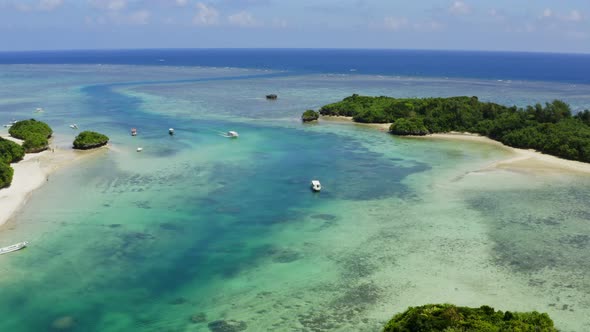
{"x": 202, "y": 226}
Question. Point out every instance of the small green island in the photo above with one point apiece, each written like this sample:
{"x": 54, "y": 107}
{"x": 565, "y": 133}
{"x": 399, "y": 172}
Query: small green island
{"x": 451, "y": 318}
{"x": 310, "y": 115}
{"x": 89, "y": 140}
{"x": 34, "y": 133}
{"x": 549, "y": 128}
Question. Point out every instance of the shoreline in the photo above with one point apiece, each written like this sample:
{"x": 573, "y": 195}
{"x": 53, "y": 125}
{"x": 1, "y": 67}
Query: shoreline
{"x": 33, "y": 172}
{"x": 522, "y": 159}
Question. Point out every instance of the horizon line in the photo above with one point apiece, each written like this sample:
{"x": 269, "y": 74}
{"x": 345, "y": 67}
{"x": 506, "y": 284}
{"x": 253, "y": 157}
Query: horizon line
{"x": 286, "y": 49}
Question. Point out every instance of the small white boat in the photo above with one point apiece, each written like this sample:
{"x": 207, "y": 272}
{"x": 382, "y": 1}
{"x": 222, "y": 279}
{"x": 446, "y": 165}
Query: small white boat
{"x": 39, "y": 110}
{"x": 232, "y": 134}
{"x": 139, "y": 149}
{"x": 13, "y": 122}
{"x": 13, "y": 247}
{"x": 133, "y": 132}
{"x": 74, "y": 126}
{"x": 171, "y": 131}
{"x": 7, "y": 125}
{"x": 316, "y": 185}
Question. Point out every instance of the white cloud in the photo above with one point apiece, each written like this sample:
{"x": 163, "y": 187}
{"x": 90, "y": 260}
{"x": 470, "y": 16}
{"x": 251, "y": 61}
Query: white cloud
{"x": 574, "y": 16}
{"x": 49, "y": 5}
{"x": 206, "y": 15}
{"x": 139, "y": 17}
{"x": 243, "y": 19}
{"x": 279, "y": 23}
{"x": 395, "y": 23}
{"x": 41, "y": 5}
{"x": 459, "y": 8}
{"x": 113, "y": 5}
{"x": 547, "y": 13}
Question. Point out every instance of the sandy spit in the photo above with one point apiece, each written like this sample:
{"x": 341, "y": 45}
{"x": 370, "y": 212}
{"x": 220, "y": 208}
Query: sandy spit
{"x": 32, "y": 172}
{"x": 521, "y": 159}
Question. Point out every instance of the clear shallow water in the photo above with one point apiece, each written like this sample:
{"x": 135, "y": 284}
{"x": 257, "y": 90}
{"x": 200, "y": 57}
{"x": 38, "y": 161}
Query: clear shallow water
{"x": 199, "y": 224}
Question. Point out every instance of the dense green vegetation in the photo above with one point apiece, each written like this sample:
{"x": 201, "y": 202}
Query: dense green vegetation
{"x": 6, "y": 173}
{"x": 34, "y": 133}
{"x": 10, "y": 152}
{"x": 548, "y": 128}
{"x": 408, "y": 126}
{"x": 450, "y": 318}
{"x": 90, "y": 139}
{"x": 310, "y": 115}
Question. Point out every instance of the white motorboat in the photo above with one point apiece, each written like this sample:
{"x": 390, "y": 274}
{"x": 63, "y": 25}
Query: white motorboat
{"x": 171, "y": 131}
{"x": 133, "y": 132}
{"x": 13, "y": 247}
{"x": 7, "y": 125}
{"x": 316, "y": 185}
{"x": 39, "y": 110}
{"x": 232, "y": 134}
{"x": 74, "y": 126}
{"x": 139, "y": 149}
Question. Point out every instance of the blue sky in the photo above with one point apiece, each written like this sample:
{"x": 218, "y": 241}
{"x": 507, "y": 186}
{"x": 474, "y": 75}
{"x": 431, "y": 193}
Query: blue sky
{"x": 518, "y": 25}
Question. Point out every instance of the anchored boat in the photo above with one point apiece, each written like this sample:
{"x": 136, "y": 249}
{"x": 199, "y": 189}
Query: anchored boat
{"x": 13, "y": 247}
{"x": 133, "y": 132}
{"x": 316, "y": 185}
{"x": 171, "y": 131}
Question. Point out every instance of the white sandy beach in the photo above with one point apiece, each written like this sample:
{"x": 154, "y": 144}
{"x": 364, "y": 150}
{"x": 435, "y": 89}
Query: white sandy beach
{"x": 31, "y": 173}
{"x": 522, "y": 160}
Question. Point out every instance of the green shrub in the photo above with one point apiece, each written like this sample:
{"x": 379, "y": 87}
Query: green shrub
{"x": 24, "y": 128}
{"x": 90, "y": 139}
{"x": 410, "y": 126}
{"x": 10, "y": 152}
{"x": 6, "y": 173}
{"x": 310, "y": 115}
{"x": 450, "y": 318}
{"x": 35, "y": 143}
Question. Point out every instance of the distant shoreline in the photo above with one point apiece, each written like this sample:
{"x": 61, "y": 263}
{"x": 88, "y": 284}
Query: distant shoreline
{"x": 33, "y": 172}
{"x": 525, "y": 160}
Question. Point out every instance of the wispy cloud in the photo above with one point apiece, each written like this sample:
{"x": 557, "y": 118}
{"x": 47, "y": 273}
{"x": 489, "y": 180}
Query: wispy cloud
{"x": 112, "y": 5}
{"x": 40, "y": 5}
{"x": 206, "y": 15}
{"x": 243, "y": 19}
{"x": 573, "y": 16}
{"x": 459, "y": 8}
{"x": 395, "y": 23}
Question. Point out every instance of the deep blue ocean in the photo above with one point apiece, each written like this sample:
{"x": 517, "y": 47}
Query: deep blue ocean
{"x": 553, "y": 67}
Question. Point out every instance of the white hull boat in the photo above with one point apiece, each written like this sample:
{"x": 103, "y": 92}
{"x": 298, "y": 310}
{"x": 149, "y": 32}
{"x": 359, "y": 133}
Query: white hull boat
{"x": 316, "y": 185}
{"x": 14, "y": 247}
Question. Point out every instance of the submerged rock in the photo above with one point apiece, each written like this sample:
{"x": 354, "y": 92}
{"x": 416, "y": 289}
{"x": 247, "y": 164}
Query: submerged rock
{"x": 63, "y": 323}
{"x": 201, "y": 317}
{"x": 227, "y": 326}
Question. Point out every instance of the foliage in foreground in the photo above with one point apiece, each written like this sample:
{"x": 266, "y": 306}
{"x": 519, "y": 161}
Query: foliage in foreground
{"x": 548, "y": 128}
{"x": 90, "y": 139}
{"x": 10, "y": 152}
{"x": 34, "y": 133}
{"x": 6, "y": 173}
{"x": 310, "y": 115}
{"x": 450, "y": 318}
